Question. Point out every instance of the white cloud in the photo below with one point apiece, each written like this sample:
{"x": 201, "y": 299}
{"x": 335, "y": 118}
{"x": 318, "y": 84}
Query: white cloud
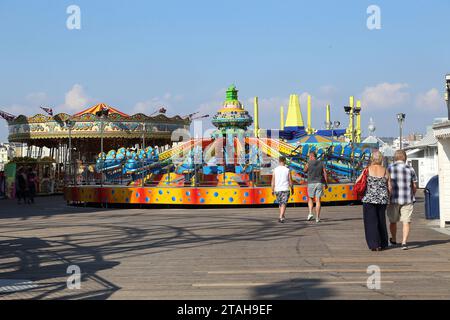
{"x": 75, "y": 100}
{"x": 267, "y": 104}
{"x": 430, "y": 100}
{"x": 17, "y": 109}
{"x": 37, "y": 98}
{"x": 328, "y": 91}
{"x": 385, "y": 95}
{"x": 168, "y": 101}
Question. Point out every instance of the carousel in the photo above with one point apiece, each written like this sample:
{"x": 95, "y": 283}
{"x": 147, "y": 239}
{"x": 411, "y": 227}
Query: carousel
{"x": 73, "y": 139}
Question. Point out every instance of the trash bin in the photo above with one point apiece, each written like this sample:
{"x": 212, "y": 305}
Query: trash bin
{"x": 432, "y": 199}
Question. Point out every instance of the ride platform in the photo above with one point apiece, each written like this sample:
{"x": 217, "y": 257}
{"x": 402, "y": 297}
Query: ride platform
{"x": 193, "y": 196}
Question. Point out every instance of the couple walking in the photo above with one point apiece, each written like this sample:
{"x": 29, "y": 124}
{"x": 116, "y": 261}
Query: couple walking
{"x": 283, "y": 187}
{"x": 392, "y": 190}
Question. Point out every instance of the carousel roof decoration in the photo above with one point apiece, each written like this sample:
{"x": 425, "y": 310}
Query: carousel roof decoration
{"x": 7, "y": 116}
{"x": 100, "y": 107}
{"x": 48, "y": 110}
{"x": 117, "y": 124}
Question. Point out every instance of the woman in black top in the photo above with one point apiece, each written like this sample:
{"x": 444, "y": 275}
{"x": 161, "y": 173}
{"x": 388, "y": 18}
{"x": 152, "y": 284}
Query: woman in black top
{"x": 375, "y": 202}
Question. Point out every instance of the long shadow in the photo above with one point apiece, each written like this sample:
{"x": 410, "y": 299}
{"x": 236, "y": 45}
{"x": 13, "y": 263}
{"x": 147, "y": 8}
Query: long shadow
{"x": 45, "y": 207}
{"x": 45, "y": 260}
{"x": 45, "y": 264}
{"x": 293, "y": 289}
{"x": 421, "y": 244}
{"x": 91, "y": 240}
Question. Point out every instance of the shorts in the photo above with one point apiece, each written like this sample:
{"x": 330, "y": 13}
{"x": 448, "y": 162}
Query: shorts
{"x": 282, "y": 197}
{"x": 315, "y": 190}
{"x": 397, "y": 212}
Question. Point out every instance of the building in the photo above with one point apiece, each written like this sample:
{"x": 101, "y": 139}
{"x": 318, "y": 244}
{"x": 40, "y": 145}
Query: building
{"x": 423, "y": 157}
{"x": 442, "y": 134}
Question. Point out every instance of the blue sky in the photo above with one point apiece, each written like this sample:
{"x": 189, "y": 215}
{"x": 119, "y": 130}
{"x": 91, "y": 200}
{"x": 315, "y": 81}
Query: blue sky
{"x": 138, "y": 55}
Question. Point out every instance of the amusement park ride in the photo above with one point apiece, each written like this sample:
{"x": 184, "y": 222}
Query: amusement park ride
{"x": 233, "y": 165}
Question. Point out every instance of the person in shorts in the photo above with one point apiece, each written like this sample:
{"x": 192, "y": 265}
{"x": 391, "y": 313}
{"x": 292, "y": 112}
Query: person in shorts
{"x": 282, "y": 186}
{"x": 403, "y": 188}
{"x": 317, "y": 181}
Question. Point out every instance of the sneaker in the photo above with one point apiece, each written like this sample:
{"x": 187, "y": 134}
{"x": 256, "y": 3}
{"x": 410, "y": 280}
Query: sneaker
{"x": 392, "y": 242}
{"x": 310, "y": 217}
{"x": 281, "y": 220}
{"x": 318, "y": 220}
{"x": 404, "y": 246}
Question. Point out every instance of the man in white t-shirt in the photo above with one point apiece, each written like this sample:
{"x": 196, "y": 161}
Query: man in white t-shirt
{"x": 282, "y": 186}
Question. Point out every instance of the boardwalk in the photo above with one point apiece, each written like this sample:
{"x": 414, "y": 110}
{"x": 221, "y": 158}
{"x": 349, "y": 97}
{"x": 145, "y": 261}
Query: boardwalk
{"x": 209, "y": 254}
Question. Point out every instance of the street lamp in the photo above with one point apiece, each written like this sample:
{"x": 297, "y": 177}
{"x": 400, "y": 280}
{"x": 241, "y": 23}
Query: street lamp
{"x": 401, "y": 118}
{"x": 332, "y": 126}
{"x": 352, "y": 111}
{"x": 447, "y": 93}
{"x": 335, "y": 125}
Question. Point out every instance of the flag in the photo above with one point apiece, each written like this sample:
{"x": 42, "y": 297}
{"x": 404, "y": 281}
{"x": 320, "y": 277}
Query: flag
{"x": 162, "y": 110}
{"x": 49, "y": 111}
{"x": 7, "y": 116}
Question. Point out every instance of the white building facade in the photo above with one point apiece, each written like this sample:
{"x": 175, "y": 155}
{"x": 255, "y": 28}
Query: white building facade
{"x": 423, "y": 157}
{"x": 442, "y": 134}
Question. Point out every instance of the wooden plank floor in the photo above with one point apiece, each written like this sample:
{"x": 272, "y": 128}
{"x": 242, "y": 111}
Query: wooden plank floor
{"x": 210, "y": 254}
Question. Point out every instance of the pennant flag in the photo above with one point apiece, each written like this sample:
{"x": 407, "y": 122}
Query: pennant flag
{"x": 49, "y": 111}
{"x": 7, "y": 116}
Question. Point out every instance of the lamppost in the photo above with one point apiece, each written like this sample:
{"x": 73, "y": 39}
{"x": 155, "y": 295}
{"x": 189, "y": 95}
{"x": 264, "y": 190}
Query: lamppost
{"x": 102, "y": 114}
{"x": 447, "y": 93}
{"x": 401, "y": 118}
{"x": 332, "y": 126}
{"x": 335, "y": 125}
{"x": 352, "y": 112}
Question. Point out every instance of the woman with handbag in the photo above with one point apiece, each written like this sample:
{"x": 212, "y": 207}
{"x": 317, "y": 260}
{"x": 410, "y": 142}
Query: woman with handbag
{"x": 375, "y": 200}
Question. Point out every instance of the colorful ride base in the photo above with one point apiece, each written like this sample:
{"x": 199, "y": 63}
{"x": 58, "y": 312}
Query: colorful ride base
{"x": 193, "y": 196}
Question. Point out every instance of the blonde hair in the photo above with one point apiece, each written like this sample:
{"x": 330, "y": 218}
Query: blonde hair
{"x": 377, "y": 158}
{"x": 400, "y": 155}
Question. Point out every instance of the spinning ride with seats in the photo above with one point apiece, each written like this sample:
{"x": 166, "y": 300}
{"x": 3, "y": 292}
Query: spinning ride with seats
{"x": 231, "y": 167}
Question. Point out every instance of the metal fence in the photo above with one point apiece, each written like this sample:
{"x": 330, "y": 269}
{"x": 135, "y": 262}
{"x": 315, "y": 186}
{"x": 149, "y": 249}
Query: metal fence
{"x": 88, "y": 173}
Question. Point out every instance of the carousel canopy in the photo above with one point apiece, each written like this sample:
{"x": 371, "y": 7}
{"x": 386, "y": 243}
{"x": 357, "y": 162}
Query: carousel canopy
{"x": 86, "y": 124}
{"x": 100, "y": 107}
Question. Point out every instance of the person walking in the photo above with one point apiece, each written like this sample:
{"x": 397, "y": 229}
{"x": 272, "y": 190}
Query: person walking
{"x": 375, "y": 202}
{"x": 317, "y": 181}
{"x": 282, "y": 186}
{"x": 403, "y": 190}
{"x": 31, "y": 180}
{"x": 21, "y": 186}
